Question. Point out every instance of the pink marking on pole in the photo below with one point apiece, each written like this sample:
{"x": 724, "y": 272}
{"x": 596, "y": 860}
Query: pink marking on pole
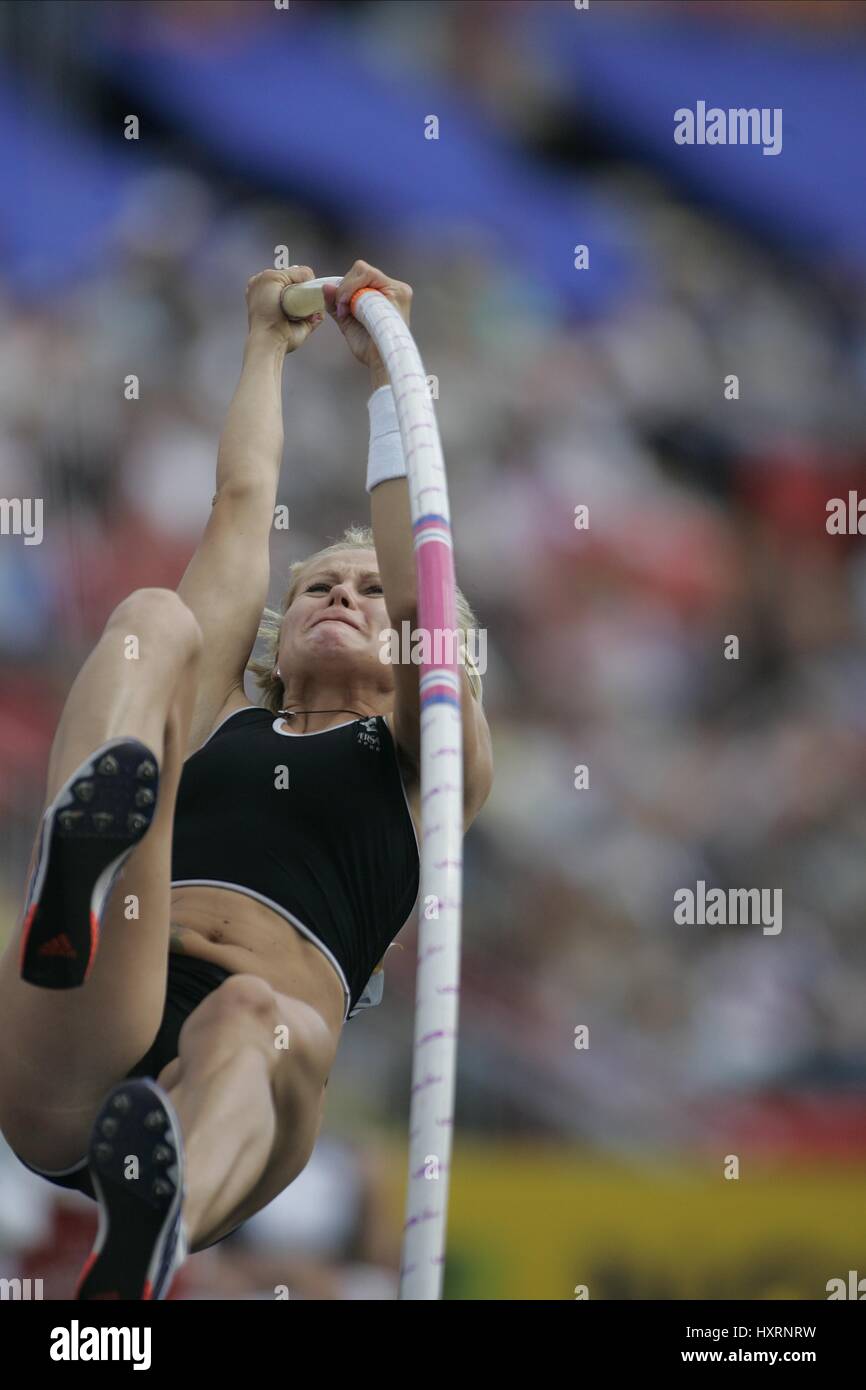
{"x": 427, "y": 1082}
{"x": 438, "y": 791}
{"x": 436, "y": 606}
{"x": 436, "y": 1033}
{"x": 425, "y": 1215}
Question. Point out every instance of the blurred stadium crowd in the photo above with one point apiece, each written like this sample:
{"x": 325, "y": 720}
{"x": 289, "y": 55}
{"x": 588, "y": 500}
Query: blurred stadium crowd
{"x": 605, "y": 645}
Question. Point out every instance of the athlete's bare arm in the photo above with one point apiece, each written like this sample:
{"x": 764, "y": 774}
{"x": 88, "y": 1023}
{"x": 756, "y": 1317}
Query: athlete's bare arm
{"x": 226, "y": 582}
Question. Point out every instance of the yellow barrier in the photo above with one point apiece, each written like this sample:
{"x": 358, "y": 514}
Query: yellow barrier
{"x": 530, "y": 1222}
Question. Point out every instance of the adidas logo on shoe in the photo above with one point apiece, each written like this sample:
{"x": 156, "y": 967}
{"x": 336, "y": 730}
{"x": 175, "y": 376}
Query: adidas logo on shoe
{"x": 59, "y": 946}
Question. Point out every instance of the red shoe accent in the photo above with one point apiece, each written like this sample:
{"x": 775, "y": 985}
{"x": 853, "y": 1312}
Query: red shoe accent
{"x": 94, "y": 942}
{"x": 59, "y": 946}
{"x": 88, "y": 1263}
{"x": 25, "y": 932}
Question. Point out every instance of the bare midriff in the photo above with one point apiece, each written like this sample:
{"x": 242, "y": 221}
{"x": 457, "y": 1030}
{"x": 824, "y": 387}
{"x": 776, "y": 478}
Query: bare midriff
{"x": 246, "y": 937}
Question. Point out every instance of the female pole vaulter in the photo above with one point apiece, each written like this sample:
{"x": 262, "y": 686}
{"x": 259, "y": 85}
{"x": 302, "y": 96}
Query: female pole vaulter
{"x": 215, "y": 883}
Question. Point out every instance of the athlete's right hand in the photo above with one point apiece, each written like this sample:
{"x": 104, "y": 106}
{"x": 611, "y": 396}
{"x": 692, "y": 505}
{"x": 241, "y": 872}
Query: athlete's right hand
{"x": 265, "y": 313}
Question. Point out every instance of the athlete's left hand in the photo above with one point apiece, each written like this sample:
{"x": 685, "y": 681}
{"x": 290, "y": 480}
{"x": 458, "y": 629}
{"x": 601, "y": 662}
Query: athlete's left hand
{"x": 337, "y": 304}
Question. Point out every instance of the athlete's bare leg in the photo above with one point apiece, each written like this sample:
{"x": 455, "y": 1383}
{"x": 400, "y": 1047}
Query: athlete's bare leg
{"x": 250, "y": 1107}
{"x": 63, "y": 1049}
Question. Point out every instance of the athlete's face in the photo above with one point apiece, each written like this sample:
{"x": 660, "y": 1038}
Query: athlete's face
{"x": 336, "y": 616}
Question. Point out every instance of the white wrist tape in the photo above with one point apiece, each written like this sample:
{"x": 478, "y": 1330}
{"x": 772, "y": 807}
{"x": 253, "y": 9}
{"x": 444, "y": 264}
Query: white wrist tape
{"x": 385, "y": 458}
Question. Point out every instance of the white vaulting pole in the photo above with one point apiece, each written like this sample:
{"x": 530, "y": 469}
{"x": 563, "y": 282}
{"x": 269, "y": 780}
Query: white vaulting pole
{"x": 437, "y": 989}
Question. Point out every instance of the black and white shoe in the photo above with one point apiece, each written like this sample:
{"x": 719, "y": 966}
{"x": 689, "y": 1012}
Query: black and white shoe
{"x": 87, "y": 834}
{"x": 141, "y": 1240}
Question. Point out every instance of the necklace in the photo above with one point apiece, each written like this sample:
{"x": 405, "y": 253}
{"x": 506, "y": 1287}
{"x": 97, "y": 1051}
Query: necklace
{"x": 290, "y": 713}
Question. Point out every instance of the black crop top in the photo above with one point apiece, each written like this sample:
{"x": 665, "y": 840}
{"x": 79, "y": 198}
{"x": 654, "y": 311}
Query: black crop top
{"x": 315, "y": 825}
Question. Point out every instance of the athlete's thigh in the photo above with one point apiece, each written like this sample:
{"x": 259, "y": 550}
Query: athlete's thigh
{"x": 290, "y": 1153}
{"x": 298, "y": 1090}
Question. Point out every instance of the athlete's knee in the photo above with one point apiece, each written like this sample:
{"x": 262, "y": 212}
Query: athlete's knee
{"x": 292, "y": 1035}
{"x": 159, "y": 612}
{"x": 243, "y": 1008}
{"x": 306, "y": 1050}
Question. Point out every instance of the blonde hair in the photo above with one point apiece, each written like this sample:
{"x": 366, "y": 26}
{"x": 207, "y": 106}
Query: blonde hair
{"x": 263, "y": 668}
